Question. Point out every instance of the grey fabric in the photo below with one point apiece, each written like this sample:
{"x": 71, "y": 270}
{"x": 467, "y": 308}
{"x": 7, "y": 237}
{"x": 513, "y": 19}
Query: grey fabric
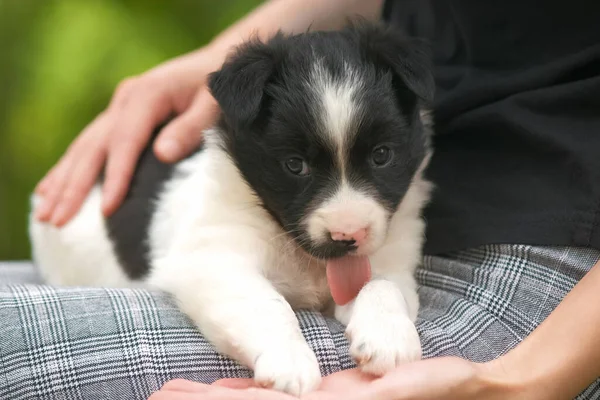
{"x": 91, "y": 343}
{"x": 18, "y": 272}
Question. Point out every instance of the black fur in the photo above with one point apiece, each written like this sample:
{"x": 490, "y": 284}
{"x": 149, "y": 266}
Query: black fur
{"x": 269, "y": 116}
{"x": 128, "y": 227}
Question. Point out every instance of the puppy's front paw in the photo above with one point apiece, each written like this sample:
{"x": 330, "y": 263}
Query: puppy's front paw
{"x": 292, "y": 369}
{"x": 379, "y": 344}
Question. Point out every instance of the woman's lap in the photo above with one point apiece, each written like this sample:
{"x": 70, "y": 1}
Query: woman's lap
{"x": 104, "y": 343}
{"x": 480, "y": 303}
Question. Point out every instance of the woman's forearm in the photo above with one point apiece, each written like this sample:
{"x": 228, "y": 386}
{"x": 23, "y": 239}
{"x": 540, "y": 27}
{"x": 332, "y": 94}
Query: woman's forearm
{"x": 294, "y": 16}
{"x": 561, "y": 357}
{"x": 290, "y": 16}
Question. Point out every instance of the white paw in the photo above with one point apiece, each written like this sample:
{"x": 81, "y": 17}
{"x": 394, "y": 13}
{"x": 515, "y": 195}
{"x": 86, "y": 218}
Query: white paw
{"x": 291, "y": 369}
{"x": 379, "y": 344}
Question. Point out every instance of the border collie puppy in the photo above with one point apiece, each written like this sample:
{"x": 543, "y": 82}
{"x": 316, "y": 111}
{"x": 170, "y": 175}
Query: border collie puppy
{"x": 306, "y": 195}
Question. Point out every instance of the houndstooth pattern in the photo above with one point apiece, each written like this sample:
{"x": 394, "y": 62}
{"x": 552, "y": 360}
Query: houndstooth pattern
{"x": 91, "y": 343}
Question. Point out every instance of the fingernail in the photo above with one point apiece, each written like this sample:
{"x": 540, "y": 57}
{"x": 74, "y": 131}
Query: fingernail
{"x": 42, "y": 210}
{"x": 169, "y": 148}
{"x": 58, "y": 215}
{"x": 104, "y": 204}
{"x": 107, "y": 200}
{"x": 105, "y": 208}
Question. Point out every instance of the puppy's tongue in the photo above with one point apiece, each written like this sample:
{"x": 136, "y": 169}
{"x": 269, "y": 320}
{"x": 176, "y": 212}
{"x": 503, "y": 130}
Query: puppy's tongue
{"x": 346, "y": 276}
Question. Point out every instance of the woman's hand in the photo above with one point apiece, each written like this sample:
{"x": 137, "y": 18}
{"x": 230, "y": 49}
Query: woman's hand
{"x": 116, "y": 138}
{"x": 340, "y": 385}
{"x": 440, "y": 378}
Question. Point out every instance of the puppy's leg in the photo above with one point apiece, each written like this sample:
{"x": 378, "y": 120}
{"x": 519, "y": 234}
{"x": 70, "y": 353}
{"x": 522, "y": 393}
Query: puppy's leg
{"x": 240, "y": 312}
{"x": 380, "y": 321}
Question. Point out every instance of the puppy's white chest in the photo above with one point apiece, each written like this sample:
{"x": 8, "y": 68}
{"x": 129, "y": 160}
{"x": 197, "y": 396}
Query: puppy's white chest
{"x": 300, "y": 278}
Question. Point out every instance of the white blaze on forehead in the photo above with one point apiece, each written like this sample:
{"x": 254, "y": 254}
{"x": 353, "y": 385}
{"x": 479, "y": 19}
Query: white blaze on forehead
{"x": 337, "y": 107}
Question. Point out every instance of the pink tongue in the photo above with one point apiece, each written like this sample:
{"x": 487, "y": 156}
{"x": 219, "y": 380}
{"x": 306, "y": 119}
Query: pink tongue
{"x": 346, "y": 276}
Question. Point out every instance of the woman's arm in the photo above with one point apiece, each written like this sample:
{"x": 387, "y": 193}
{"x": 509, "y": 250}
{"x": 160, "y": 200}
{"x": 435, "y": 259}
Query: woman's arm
{"x": 296, "y": 16}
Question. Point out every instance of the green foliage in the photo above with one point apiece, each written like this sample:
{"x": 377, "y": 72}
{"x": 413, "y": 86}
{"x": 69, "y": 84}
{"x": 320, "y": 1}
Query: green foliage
{"x": 59, "y": 64}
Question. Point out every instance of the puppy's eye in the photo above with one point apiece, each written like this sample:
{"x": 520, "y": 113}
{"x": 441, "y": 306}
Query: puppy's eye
{"x": 297, "y": 166}
{"x": 381, "y": 155}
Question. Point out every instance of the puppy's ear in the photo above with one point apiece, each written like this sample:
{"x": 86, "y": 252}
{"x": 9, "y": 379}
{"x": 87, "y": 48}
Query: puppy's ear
{"x": 409, "y": 58}
{"x": 239, "y": 85}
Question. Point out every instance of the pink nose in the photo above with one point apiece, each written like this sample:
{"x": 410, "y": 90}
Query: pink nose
{"x": 359, "y": 236}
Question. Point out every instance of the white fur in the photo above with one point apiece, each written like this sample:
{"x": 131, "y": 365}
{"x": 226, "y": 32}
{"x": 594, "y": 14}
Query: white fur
{"x": 338, "y": 108}
{"x": 239, "y": 276}
{"x": 80, "y": 252}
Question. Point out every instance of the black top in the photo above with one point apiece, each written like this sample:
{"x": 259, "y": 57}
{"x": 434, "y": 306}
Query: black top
{"x": 517, "y": 113}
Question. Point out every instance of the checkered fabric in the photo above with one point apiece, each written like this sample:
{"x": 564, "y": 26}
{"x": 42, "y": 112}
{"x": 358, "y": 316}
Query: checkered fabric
{"x": 92, "y": 343}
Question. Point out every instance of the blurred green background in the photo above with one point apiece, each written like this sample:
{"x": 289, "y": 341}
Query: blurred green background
{"x": 60, "y": 61}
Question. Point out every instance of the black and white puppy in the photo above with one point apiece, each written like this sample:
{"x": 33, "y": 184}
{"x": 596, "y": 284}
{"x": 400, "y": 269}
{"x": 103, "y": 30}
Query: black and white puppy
{"x": 308, "y": 190}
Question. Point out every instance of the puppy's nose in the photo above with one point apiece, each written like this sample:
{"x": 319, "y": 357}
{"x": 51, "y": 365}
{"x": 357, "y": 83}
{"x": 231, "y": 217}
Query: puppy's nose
{"x": 356, "y": 238}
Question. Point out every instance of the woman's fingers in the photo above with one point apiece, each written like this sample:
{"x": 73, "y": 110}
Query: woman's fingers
{"x": 74, "y": 175}
{"x": 54, "y": 185}
{"x": 179, "y": 389}
{"x": 183, "y": 135}
{"x": 79, "y": 183}
{"x": 46, "y": 182}
{"x": 235, "y": 383}
{"x": 183, "y": 385}
{"x": 56, "y": 179}
{"x": 129, "y": 135}
{"x": 50, "y": 187}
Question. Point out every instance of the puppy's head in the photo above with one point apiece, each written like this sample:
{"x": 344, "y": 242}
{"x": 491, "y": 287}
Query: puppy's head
{"x": 326, "y": 128}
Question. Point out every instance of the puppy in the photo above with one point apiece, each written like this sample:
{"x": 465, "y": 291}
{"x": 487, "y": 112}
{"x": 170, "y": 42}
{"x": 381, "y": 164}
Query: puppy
{"x": 308, "y": 190}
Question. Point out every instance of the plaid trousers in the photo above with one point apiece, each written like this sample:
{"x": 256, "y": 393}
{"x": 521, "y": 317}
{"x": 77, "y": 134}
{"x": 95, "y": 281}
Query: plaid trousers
{"x": 97, "y": 343}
